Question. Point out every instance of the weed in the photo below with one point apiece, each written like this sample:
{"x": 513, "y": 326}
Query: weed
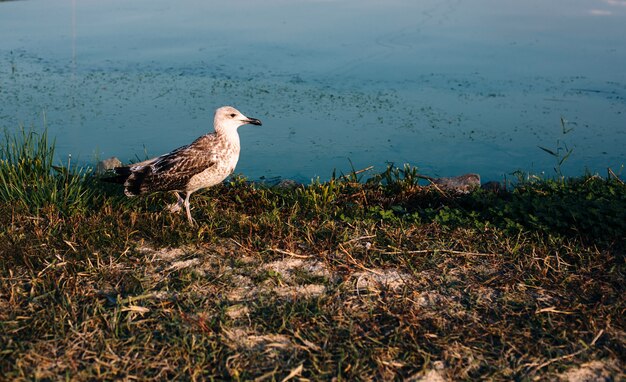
{"x": 397, "y": 179}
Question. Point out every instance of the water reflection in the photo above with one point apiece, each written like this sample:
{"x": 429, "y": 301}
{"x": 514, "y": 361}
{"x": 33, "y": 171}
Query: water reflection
{"x": 449, "y": 86}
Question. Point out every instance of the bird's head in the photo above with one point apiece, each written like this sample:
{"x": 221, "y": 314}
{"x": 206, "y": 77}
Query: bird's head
{"x": 228, "y": 119}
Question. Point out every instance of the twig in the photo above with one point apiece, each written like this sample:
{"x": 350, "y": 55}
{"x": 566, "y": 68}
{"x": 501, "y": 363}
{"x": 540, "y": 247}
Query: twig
{"x": 359, "y": 238}
{"x": 294, "y": 372}
{"x": 238, "y": 244}
{"x": 467, "y": 253}
{"x": 357, "y": 172}
{"x": 567, "y": 356}
{"x": 399, "y": 251}
{"x": 597, "y": 337}
{"x": 354, "y": 262}
{"x": 426, "y": 177}
{"x": 432, "y": 183}
{"x": 551, "y": 309}
{"x": 553, "y": 360}
{"x": 615, "y": 176}
{"x": 289, "y": 253}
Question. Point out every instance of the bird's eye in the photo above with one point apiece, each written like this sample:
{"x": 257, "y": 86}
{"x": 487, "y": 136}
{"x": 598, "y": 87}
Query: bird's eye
{"x": 232, "y": 115}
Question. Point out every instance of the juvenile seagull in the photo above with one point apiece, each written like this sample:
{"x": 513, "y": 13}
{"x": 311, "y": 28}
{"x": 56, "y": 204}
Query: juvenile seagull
{"x": 205, "y": 162}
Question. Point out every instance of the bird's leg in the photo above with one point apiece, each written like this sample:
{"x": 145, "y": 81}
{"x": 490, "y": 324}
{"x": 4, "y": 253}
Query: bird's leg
{"x": 175, "y": 207}
{"x": 191, "y": 221}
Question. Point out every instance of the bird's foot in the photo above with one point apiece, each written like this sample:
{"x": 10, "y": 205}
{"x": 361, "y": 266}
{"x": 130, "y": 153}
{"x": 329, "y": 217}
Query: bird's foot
{"x": 178, "y": 206}
{"x": 174, "y": 207}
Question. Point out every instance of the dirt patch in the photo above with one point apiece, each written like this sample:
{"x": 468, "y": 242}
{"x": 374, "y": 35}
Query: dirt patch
{"x": 243, "y": 340}
{"x": 301, "y": 291}
{"x": 184, "y": 264}
{"x": 429, "y": 376}
{"x": 378, "y": 279}
{"x": 165, "y": 254}
{"x": 595, "y": 371}
{"x": 237, "y": 311}
{"x": 290, "y": 267}
{"x": 243, "y": 289}
{"x": 243, "y": 280}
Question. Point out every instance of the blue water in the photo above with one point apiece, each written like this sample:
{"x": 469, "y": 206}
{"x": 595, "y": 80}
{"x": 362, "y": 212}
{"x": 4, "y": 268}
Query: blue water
{"x": 448, "y": 86}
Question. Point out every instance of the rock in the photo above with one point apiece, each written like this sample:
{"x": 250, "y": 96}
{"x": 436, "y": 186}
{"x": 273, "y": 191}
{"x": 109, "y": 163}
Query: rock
{"x": 287, "y": 184}
{"x": 107, "y": 164}
{"x": 462, "y": 184}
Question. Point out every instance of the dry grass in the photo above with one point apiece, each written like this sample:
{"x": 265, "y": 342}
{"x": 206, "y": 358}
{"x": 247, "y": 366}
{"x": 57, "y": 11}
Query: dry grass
{"x": 336, "y": 280}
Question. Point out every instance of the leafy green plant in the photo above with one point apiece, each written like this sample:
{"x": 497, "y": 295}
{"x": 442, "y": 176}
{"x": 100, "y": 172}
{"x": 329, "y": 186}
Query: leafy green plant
{"x": 319, "y": 196}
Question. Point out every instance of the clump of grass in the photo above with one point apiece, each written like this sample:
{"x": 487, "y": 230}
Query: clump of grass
{"x": 397, "y": 179}
{"x": 29, "y": 178}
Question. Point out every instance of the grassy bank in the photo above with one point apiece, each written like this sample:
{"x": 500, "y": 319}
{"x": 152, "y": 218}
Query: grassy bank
{"x": 353, "y": 279}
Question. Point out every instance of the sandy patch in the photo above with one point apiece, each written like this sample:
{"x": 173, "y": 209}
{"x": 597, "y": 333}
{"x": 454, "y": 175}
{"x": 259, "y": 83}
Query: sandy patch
{"x": 237, "y": 311}
{"x": 184, "y": 264}
{"x": 594, "y": 371}
{"x": 165, "y": 254}
{"x": 378, "y": 279}
{"x": 300, "y": 291}
{"x": 244, "y": 289}
{"x": 244, "y": 340}
{"x": 429, "y": 376}
{"x": 288, "y": 267}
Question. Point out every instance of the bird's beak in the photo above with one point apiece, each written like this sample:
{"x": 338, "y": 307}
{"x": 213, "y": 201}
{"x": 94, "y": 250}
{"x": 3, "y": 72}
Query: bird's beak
{"x": 253, "y": 121}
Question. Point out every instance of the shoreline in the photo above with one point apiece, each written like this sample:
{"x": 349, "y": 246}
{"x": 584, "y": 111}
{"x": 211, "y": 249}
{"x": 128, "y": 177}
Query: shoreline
{"x": 339, "y": 279}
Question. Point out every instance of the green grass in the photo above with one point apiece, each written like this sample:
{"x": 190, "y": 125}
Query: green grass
{"x": 354, "y": 278}
{"x": 29, "y": 179}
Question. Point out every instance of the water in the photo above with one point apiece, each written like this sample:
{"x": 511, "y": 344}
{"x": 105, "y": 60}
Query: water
{"x": 449, "y": 86}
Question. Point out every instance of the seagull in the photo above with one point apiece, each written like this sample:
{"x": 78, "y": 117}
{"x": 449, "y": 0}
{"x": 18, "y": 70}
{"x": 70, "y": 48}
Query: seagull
{"x": 205, "y": 162}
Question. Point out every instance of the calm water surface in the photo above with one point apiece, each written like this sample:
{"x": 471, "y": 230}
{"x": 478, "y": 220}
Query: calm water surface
{"x": 449, "y": 86}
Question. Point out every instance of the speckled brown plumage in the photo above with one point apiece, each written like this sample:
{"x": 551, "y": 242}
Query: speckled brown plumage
{"x": 205, "y": 162}
{"x": 174, "y": 171}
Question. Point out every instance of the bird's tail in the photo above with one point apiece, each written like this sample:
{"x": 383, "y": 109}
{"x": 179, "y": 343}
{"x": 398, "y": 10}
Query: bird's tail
{"x": 121, "y": 175}
{"x": 132, "y": 179}
{"x": 134, "y": 182}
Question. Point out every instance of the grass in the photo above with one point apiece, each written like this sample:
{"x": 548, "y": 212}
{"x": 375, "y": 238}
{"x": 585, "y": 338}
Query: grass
{"x": 29, "y": 178}
{"x": 354, "y": 279}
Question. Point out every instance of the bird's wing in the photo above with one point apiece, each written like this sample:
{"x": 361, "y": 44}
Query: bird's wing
{"x": 172, "y": 171}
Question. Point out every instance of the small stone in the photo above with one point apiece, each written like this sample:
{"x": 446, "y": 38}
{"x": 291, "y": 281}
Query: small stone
{"x": 107, "y": 164}
{"x": 287, "y": 184}
{"x": 462, "y": 184}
